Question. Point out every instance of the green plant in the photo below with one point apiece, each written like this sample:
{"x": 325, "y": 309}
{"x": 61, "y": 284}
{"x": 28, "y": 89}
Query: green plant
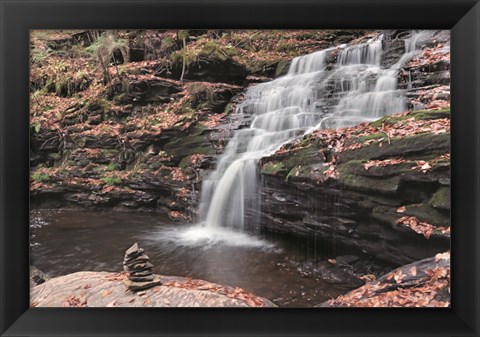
{"x": 112, "y": 180}
{"x": 112, "y": 167}
{"x": 167, "y": 43}
{"x": 39, "y": 177}
{"x": 104, "y": 51}
{"x": 154, "y": 121}
{"x": 36, "y": 127}
{"x": 38, "y": 55}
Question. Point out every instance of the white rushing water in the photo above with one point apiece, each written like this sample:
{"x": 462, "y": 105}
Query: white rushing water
{"x": 310, "y": 96}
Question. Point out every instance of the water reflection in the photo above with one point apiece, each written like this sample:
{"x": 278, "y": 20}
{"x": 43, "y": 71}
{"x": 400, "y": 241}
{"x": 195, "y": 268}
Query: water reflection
{"x": 63, "y": 242}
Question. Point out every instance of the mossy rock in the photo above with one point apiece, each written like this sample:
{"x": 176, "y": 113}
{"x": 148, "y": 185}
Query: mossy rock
{"x": 274, "y": 169}
{"x": 441, "y": 165}
{"x": 441, "y": 199}
{"x": 431, "y": 114}
{"x": 375, "y": 136}
{"x": 418, "y": 115}
{"x": 372, "y": 201}
{"x": 300, "y": 172}
{"x": 385, "y": 214}
{"x": 357, "y": 167}
{"x": 424, "y": 212}
{"x": 282, "y": 68}
{"x": 188, "y": 145}
{"x": 212, "y": 49}
{"x": 370, "y": 184}
{"x": 306, "y": 155}
{"x": 418, "y": 145}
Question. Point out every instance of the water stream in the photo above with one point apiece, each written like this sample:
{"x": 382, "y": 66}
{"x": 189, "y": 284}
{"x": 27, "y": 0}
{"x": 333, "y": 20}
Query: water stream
{"x": 314, "y": 94}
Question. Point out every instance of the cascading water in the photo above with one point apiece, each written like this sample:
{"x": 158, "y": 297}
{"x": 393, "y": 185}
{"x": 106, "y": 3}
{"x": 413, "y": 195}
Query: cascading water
{"x": 310, "y": 96}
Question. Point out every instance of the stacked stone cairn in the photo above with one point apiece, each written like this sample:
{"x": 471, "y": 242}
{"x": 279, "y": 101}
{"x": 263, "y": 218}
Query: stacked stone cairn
{"x": 139, "y": 269}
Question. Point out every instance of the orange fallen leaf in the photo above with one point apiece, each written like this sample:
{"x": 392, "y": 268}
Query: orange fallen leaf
{"x": 442, "y": 256}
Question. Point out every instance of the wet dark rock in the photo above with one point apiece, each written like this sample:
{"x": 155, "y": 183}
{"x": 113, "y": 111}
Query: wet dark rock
{"x": 358, "y": 219}
{"x": 393, "y": 47}
{"x": 432, "y": 272}
{"x": 346, "y": 259}
{"x": 37, "y": 276}
{"x": 334, "y": 274}
{"x": 214, "y": 69}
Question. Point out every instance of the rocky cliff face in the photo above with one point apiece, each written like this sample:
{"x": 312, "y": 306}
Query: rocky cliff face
{"x": 382, "y": 187}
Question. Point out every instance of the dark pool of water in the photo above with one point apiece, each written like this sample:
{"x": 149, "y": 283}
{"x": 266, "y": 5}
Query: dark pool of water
{"x": 283, "y": 271}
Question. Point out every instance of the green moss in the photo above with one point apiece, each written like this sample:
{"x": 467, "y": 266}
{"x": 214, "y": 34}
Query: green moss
{"x": 281, "y": 67}
{"x": 441, "y": 164}
{"x": 372, "y": 136}
{"x": 54, "y": 156}
{"x": 39, "y": 177}
{"x": 112, "y": 167}
{"x": 418, "y": 115}
{"x": 373, "y": 184}
{"x": 46, "y": 107}
{"x": 388, "y": 120}
{"x": 418, "y": 145}
{"x": 441, "y": 199}
{"x": 194, "y": 144}
{"x": 432, "y": 114}
{"x": 425, "y": 212}
{"x": 185, "y": 162}
{"x": 112, "y": 180}
{"x": 303, "y": 156}
{"x": 385, "y": 214}
{"x": 212, "y": 49}
{"x": 154, "y": 121}
{"x": 272, "y": 168}
{"x": 298, "y": 172}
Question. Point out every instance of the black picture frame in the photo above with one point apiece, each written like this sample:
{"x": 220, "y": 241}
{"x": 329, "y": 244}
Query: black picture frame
{"x": 17, "y": 17}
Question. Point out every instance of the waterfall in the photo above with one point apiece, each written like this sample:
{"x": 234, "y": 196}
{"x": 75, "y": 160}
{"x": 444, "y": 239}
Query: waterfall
{"x": 312, "y": 95}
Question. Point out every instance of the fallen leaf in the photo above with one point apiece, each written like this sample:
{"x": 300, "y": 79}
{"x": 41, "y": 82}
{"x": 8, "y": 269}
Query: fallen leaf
{"x": 442, "y": 256}
{"x": 106, "y": 293}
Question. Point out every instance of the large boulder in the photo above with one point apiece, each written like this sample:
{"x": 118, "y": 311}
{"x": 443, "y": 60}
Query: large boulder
{"x": 103, "y": 289}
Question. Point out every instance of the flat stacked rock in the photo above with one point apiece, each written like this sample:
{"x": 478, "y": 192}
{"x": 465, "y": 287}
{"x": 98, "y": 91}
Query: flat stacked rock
{"x": 139, "y": 269}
